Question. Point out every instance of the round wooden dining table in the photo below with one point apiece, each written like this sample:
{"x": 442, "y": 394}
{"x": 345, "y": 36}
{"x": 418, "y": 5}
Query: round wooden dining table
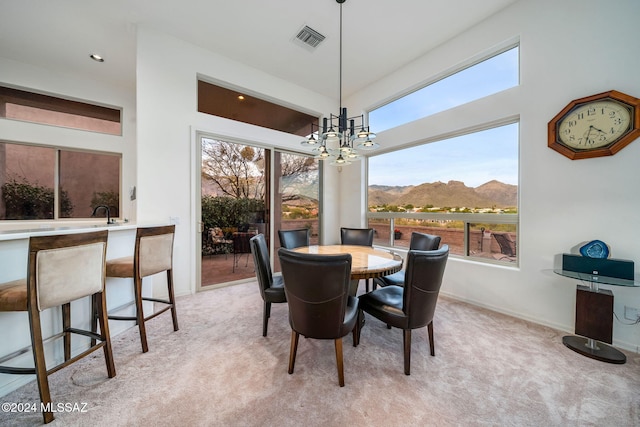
{"x": 366, "y": 262}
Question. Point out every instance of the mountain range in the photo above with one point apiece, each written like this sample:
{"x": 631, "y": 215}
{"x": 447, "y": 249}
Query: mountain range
{"x": 451, "y": 194}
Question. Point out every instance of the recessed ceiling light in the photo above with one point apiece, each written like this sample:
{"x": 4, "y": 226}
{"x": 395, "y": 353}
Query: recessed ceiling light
{"x": 96, "y": 57}
{"x": 240, "y": 97}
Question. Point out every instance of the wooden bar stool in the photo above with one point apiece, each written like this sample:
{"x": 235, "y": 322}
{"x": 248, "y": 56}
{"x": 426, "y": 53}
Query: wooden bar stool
{"x": 153, "y": 254}
{"x": 62, "y": 269}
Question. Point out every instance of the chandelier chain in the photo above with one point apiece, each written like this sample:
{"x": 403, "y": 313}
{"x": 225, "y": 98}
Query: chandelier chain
{"x": 340, "y": 66}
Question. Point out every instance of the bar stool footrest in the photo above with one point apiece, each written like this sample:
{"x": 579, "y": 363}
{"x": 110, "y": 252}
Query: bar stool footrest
{"x": 122, "y": 318}
{"x": 89, "y": 334}
{"x": 151, "y": 316}
{"x": 164, "y": 301}
{"x": 17, "y": 371}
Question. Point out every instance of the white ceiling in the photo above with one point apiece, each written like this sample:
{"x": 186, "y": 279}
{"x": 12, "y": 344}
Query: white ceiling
{"x": 379, "y": 36}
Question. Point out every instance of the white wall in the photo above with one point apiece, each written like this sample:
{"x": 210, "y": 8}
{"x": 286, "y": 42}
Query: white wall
{"x": 561, "y": 202}
{"x": 167, "y": 72}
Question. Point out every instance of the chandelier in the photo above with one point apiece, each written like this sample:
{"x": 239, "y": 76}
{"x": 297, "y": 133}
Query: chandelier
{"x": 340, "y": 136}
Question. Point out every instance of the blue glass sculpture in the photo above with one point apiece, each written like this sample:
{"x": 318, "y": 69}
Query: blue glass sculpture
{"x": 595, "y": 249}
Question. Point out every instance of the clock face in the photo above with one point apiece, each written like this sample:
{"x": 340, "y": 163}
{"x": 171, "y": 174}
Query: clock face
{"x": 594, "y": 124}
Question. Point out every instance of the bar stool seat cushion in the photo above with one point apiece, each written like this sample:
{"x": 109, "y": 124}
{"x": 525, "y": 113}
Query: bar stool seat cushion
{"x": 120, "y": 267}
{"x": 13, "y": 295}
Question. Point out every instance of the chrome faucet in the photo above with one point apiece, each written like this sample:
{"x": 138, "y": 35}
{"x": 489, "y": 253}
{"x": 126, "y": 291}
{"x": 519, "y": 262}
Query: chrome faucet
{"x": 106, "y": 208}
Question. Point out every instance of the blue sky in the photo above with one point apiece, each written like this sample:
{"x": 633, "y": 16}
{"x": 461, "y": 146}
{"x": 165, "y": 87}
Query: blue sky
{"x": 473, "y": 159}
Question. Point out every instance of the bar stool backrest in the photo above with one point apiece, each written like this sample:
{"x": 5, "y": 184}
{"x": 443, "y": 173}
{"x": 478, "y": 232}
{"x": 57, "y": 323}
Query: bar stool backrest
{"x": 67, "y": 268}
{"x": 154, "y": 252}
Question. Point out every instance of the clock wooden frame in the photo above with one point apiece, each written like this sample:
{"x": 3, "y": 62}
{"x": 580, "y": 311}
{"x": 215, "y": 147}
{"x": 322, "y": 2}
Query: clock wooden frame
{"x": 633, "y": 104}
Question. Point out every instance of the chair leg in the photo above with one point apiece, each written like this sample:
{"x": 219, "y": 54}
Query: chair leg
{"x": 339, "y": 361}
{"x": 293, "y": 350}
{"x": 406, "y": 340}
{"x": 140, "y": 313}
{"x": 366, "y": 285}
{"x": 94, "y": 318}
{"x": 172, "y": 299}
{"x": 101, "y": 311}
{"x": 431, "y": 344}
{"x": 265, "y": 318}
{"x": 39, "y": 362}
{"x": 358, "y": 328}
{"x": 66, "y": 324}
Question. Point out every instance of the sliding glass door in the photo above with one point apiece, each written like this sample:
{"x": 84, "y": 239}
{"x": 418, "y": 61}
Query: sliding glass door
{"x": 237, "y": 202}
{"x": 297, "y": 196}
{"x": 234, "y": 208}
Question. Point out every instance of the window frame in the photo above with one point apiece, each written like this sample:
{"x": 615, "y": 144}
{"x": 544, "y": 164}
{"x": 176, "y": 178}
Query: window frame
{"x": 465, "y": 129}
{"x": 56, "y": 182}
{"x": 465, "y": 218}
{"x": 63, "y": 108}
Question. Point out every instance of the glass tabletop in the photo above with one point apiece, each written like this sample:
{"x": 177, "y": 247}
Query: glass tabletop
{"x": 594, "y": 278}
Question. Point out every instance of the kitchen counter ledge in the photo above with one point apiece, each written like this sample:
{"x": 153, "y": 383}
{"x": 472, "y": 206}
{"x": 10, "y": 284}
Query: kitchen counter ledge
{"x": 48, "y": 230}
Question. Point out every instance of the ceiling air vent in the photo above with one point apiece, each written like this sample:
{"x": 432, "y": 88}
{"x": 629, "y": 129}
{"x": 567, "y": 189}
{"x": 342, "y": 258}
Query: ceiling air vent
{"x": 308, "y": 37}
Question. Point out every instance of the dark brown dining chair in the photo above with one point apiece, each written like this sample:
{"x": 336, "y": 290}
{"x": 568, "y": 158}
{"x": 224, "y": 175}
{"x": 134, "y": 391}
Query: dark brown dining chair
{"x": 357, "y": 237}
{"x": 271, "y": 287}
{"x": 320, "y": 307}
{"x": 61, "y": 269}
{"x": 418, "y": 242}
{"x": 153, "y": 254}
{"x": 291, "y": 239}
{"x": 412, "y": 306}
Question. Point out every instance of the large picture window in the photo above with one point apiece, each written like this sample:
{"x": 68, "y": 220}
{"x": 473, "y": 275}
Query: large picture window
{"x": 464, "y": 189}
{"x": 481, "y": 79}
{"x": 39, "y": 183}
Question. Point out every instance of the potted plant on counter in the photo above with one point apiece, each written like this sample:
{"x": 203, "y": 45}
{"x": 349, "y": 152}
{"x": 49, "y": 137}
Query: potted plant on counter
{"x": 397, "y": 234}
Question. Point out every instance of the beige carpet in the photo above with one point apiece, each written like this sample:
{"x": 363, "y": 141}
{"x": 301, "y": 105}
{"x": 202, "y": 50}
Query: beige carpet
{"x": 218, "y": 370}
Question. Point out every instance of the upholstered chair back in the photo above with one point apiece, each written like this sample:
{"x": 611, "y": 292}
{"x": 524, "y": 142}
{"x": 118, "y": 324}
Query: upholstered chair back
{"x": 154, "y": 252}
{"x": 317, "y": 288}
{"x": 291, "y": 239}
{"x": 260, "y": 253}
{"x": 66, "y": 268}
{"x": 424, "y": 242}
{"x": 423, "y": 278}
{"x": 356, "y": 236}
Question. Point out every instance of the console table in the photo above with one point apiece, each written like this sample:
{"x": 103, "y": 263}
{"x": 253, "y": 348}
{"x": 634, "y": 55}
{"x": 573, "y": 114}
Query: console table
{"x": 594, "y": 317}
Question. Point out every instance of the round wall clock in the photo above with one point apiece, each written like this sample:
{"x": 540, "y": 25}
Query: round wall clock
{"x": 594, "y": 126}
